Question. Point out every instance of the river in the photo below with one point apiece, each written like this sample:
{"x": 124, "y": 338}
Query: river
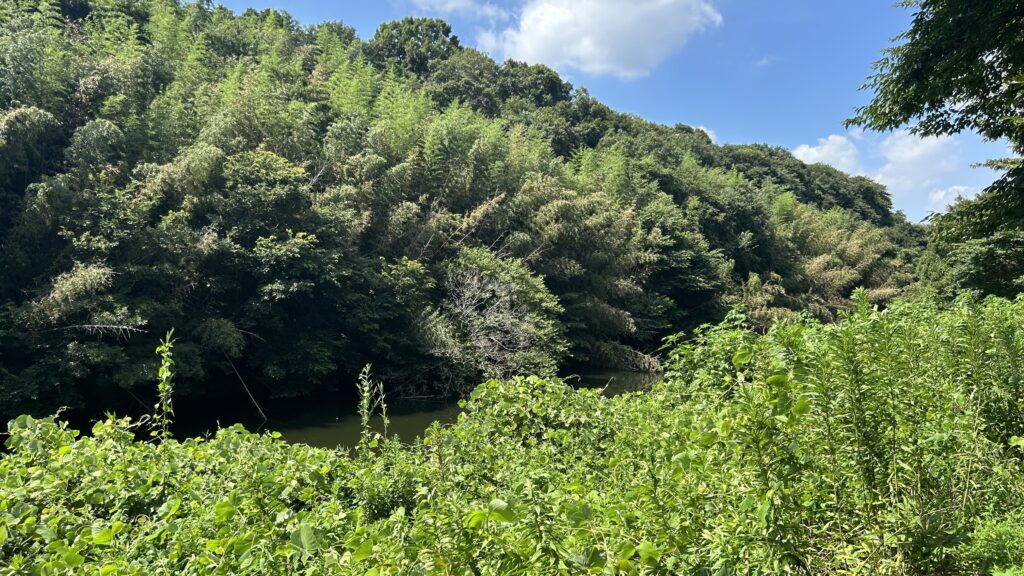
{"x": 330, "y": 420}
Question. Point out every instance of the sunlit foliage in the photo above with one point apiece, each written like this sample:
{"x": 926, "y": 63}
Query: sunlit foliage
{"x": 887, "y": 443}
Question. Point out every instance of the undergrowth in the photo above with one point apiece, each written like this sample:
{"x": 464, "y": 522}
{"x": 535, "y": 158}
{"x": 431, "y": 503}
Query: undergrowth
{"x": 887, "y": 443}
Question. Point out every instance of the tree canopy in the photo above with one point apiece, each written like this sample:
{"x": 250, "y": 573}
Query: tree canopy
{"x": 297, "y": 202}
{"x": 960, "y": 67}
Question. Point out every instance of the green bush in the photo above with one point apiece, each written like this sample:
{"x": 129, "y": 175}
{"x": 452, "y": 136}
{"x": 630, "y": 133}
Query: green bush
{"x": 887, "y": 443}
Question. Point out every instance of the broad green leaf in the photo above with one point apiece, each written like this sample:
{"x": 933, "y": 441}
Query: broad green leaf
{"x": 742, "y": 356}
{"x": 762, "y": 512}
{"x": 224, "y": 510}
{"x": 305, "y": 538}
{"x": 73, "y": 559}
{"x": 802, "y": 406}
{"x": 169, "y": 508}
{"x": 649, "y": 553}
{"x": 625, "y": 551}
{"x": 500, "y": 511}
{"x": 363, "y": 551}
{"x": 475, "y": 518}
{"x": 707, "y": 438}
{"x": 103, "y": 536}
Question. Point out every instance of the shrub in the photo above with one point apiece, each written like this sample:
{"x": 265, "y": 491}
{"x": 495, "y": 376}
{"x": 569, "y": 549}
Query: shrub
{"x": 887, "y": 443}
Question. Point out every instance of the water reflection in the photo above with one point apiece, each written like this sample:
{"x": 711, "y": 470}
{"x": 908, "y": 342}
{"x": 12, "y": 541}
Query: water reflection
{"x": 330, "y": 421}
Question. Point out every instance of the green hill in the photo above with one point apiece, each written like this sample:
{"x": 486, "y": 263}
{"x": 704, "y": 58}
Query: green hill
{"x": 297, "y": 202}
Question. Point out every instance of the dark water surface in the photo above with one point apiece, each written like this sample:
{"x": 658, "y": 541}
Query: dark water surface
{"x": 330, "y": 420}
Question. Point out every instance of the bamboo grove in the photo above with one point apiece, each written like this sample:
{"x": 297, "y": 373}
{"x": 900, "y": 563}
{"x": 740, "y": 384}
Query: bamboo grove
{"x": 297, "y": 202}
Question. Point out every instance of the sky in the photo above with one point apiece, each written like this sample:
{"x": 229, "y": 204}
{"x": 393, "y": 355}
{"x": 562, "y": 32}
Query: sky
{"x": 785, "y": 73}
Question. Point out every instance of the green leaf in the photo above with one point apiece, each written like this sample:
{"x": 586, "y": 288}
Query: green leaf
{"x": 707, "y": 438}
{"x": 216, "y": 546}
{"x": 169, "y": 508}
{"x": 649, "y": 553}
{"x": 363, "y": 551}
{"x": 305, "y": 538}
{"x": 1017, "y": 441}
{"x": 742, "y": 356}
{"x": 103, "y": 536}
{"x": 73, "y": 559}
{"x": 224, "y": 510}
{"x": 762, "y": 512}
{"x": 802, "y": 406}
{"x": 778, "y": 379}
{"x": 499, "y": 511}
{"x": 475, "y": 518}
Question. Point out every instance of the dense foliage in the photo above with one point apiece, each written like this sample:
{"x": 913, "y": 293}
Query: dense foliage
{"x": 960, "y": 67}
{"x": 297, "y": 202}
{"x": 886, "y": 443}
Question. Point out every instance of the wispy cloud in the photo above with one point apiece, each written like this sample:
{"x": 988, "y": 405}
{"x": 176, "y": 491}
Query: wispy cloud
{"x": 470, "y": 8}
{"x": 941, "y": 199}
{"x": 913, "y": 163}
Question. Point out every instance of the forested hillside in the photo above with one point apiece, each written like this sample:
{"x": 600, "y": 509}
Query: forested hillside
{"x": 296, "y": 202}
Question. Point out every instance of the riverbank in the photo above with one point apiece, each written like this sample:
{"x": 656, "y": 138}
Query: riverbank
{"x": 888, "y": 443}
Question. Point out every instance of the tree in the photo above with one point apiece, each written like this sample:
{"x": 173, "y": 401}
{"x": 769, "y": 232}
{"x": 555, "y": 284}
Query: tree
{"x": 960, "y": 67}
{"x": 294, "y": 200}
{"x": 497, "y": 318}
{"x": 28, "y": 145}
{"x": 352, "y": 88}
{"x": 413, "y": 46}
{"x": 820, "y": 258}
{"x": 536, "y": 84}
{"x": 470, "y": 77}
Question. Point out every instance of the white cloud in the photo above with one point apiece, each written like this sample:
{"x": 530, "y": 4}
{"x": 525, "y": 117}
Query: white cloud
{"x": 711, "y": 133}
{"x": 835, "y": 150}
{"x": 600, "y": 37}
{"x": 939, "y": 200}
{"x": 921, "y": 174}
{"x": 472, "y": 8}
{"x": 913, "y": 163}
{"x": 909, "y": 163}
{"x": 763, "y": 61}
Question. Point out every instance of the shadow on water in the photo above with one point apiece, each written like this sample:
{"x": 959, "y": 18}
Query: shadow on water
{"x": 614, "y": 382}
{"x": 330, "y": 420}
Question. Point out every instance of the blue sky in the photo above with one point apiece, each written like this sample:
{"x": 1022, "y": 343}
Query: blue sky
{"x": 784, "y": 72}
